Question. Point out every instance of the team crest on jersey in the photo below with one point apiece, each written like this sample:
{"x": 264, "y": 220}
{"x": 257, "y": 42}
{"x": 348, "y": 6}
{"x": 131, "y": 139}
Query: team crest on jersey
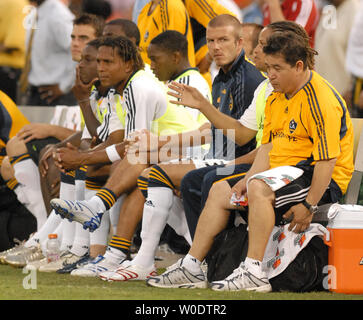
{"x": 230, "y": 102}
{"x": 292, "y": 126}
{"x": 146, "y": 36}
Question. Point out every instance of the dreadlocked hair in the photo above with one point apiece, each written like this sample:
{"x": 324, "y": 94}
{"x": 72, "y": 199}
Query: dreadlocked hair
{"x": 126, "y": 49}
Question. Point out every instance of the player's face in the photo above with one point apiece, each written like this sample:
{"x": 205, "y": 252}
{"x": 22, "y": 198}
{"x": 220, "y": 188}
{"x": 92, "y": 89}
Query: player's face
{"x": 110, "y": 67}
{"x": 223, "y": 45}
{"x": 160, "y": 62}
{"x": 283, "y": 76}
{"x": 247, "y": 34}
{"x": 112, "y": 30}
{"x": 88, "y": 64}
{"x": 258, "y": 54}
{"x": 81, "y": 34}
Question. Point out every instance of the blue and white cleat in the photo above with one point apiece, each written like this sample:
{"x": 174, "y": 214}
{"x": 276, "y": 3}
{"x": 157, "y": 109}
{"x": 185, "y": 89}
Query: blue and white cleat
{"x": 96, "y": 266}
{"x": 79, "y": 211}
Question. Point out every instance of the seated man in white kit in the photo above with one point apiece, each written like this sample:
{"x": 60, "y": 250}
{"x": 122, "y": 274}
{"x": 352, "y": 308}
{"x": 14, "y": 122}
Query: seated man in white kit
{"x": 138, "y": 90}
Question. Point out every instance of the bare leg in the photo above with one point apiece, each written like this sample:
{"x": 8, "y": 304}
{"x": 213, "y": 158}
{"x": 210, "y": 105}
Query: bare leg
{"x": 261, "y": 218}
{"x": 213, "y": 219}
{"x": 124, "y": 176}
{"x": 49, "y": 184}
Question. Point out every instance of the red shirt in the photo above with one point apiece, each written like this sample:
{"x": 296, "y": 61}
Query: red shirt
{"x": 303, "y": 12}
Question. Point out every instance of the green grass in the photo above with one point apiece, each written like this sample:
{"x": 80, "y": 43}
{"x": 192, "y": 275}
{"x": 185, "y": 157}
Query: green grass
{"x": 52, "y": 286}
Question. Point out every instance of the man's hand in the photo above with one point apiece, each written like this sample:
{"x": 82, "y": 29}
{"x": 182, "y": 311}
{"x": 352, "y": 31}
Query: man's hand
{"x": 240, "y": 188}
{"x": 68, "y": 158}
{"x": 142, "y": 141}
{"x": 301, "y": 218}
{"x": 34, "y": 131}
{"x": 50, "y": 93}
{"x": 187, "y": 96}
{"x": 80, "y": 89}
{"x": 43, "y": 161}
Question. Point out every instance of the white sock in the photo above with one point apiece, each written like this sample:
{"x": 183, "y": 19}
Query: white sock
{"x": 97, "y": 204}
{"x": 81, "y": 241}
{"x": 21, "y": 196}
{"x": 115, "y": 212}
{"x": 48, "y": 227}
{"x": 67, "y": 192}
{"x": 114, "y": 255}
{"x": 80, "y": 186}
{"x": 191, "y": 263}
{"x": 178, "y": 221}
{"x": 100, "y": 235}
{"x": 26, "y": 172}
{"x": 255, "y": 267}
{"x": 156, "y": 211}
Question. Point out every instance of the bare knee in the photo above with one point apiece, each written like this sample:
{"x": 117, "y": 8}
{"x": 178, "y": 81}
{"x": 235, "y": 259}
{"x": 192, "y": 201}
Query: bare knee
{"x": 15, "y": 147}
{"x": 259, "y": 191}
{"x": 220, "y": 194}
{"x": 7, "y": 171}
{"x": 145, "y": 173}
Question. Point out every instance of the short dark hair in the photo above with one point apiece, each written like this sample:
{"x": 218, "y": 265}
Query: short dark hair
{"x": 126, "y": 49}
{"x": 90, "y": 19}
{"x": 291, "y": 46}
{"x": 172, "y": 41}
{"x": 128, "y": 27}
{"x": 226, "y": 20}
{"x": 96, "y": 43}
{"x": 298, "y": 30}
{"x": 100, "y": 8}
{"x": 257, "y": 28}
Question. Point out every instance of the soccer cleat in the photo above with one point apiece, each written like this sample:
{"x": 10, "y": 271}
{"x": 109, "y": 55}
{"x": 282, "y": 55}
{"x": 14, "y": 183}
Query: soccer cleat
{"x": 177, "y": 276}
{"x": 242, "y": 279}
{"x": 79, "y": 211}
{"x": 21, "y": 259}
{"x": 75, "y": 265}
{"x": 131, "y": 272}
{"x": 93, "y": 268}
{"x": 17, "y": 249}
{"x": 65, "y": 258}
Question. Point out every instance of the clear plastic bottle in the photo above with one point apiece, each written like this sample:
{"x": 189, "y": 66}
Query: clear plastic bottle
{"x": 53, "y": 247}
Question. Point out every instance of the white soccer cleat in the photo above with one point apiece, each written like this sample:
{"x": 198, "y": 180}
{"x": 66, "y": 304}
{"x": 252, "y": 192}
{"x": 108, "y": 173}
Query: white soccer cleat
{"x": 95, "y": 267}
{"x": 177, "y": 276}
{"x": 242, "y": 280}
{"x": 132, "y": 272}
{"x": 79, "y": 211}
{"x": 65, "y": 258}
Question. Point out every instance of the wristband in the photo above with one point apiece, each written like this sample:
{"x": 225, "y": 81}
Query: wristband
{"x": 112, "y": 153}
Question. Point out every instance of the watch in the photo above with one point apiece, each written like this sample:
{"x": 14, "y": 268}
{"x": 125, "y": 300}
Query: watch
{"x": 310, "y": 207}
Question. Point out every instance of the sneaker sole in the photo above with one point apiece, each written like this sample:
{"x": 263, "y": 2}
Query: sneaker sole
{"x": 134, "y": 277}
{"x": 197, "y": 285}
{"x": 64, "y": 213}
{"x": 263, "y": 289}
{"x": 16, "y": 264}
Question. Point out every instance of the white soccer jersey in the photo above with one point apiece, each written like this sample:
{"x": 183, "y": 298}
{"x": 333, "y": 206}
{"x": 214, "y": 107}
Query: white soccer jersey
{"x": 193, "y": 78}
{"x": 144, "y": 100}
{"x": 248, "y": 118}
{"x": 99, "y": 108}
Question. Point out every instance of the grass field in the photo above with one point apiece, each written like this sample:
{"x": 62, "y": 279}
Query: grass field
{"x": 52, "y": 286}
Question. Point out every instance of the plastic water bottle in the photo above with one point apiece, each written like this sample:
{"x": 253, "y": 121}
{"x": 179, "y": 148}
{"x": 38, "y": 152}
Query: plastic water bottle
{"x": 53, "y": 246}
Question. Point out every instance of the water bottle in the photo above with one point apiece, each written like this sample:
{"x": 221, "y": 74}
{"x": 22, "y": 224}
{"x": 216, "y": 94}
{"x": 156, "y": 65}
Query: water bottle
{"x": 52, "y": 247}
